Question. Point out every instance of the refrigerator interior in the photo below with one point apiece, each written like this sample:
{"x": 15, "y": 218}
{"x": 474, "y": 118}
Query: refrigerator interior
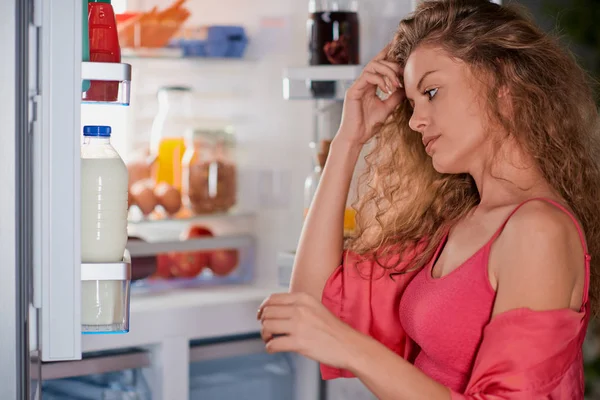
{"x": 273, "y": 132}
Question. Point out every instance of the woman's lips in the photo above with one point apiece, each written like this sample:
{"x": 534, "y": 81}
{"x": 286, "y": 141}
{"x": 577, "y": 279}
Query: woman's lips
{"x": 428, "y": 142}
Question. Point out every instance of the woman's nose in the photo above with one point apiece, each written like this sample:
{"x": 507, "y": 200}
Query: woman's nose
{"x": 418, "y": 121}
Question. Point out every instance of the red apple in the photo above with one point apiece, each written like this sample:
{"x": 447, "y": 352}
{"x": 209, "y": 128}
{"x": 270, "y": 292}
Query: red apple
{"x": 223, "y": 262}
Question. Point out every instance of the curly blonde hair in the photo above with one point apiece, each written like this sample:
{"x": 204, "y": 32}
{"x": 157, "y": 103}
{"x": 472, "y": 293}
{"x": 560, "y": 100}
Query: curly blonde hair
{"x": 555, "y": 119}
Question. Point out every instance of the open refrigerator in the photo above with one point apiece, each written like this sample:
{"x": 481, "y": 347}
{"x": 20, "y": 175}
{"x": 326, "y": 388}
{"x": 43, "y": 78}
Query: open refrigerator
{"x": 170, "y": 352}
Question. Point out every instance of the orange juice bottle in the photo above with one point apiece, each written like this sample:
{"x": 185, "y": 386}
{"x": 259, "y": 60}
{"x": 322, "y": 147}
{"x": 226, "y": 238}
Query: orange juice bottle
{"x": 349, "y": 221}
{"x": 169, "y": 128}
{"x": 168, "y": 161}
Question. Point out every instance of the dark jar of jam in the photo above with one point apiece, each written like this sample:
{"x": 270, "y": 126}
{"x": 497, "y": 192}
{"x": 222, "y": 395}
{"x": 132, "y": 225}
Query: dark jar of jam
{"x": 333, "y": 38}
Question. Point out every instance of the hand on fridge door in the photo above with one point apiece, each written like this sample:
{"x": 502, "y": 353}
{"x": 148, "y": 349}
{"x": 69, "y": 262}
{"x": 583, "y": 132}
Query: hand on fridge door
{"x": 364, "y": 110}
{"x": 298, "y": 322}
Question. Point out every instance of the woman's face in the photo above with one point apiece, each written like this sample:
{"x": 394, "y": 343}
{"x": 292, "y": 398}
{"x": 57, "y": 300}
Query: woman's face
{"x": 447, "y": 110}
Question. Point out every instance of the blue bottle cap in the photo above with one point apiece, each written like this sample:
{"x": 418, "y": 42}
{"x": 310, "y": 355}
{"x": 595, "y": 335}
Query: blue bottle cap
{"x": 96, "y": 130}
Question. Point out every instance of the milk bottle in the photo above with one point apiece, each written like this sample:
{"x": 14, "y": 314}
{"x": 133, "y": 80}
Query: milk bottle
{"x": 103, "y": 225}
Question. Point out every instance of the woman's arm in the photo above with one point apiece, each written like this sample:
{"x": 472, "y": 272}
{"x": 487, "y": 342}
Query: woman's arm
{"x": 389, "y": 376}
{"x": 320, "y": 247}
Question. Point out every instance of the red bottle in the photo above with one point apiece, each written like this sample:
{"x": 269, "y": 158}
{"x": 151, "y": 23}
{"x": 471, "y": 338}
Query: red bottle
{"x": 104, "y": 47}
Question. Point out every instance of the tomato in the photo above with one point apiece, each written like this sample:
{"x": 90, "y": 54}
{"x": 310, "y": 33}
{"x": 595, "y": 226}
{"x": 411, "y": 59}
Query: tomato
{"x": 223, "y": 262}
{"x": 196, "y": 231}
{"x": 188, "y": 265}
{"x": 163, "y": 266}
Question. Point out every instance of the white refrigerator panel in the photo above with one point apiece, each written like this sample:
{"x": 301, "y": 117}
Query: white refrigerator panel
{"x": 57, "y": 195}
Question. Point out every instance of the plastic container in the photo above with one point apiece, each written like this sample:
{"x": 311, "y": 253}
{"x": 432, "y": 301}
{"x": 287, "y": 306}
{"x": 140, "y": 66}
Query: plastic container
{"x": 258, "y": 376}
{"x": 312, "y": 181}
{"x": 217, "y": 41}
{"x": 105, "y": 297}
{"x": 124, "y": 385}
{"x": 103, "y": 47}
{"x": 104, "y": 181}
{"x": 167, "y": 141}
{"x": 210, "y": 170}
{"x": 333, "y": 38}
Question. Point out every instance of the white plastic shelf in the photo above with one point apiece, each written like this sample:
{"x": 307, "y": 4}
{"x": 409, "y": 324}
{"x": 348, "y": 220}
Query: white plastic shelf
{"x": 297, "y": 81}
{"x": 142, "y": 249}
{"x": 107, "y": 271}
{"x": 110, "y": 83}
{"x": 112, "y": 72}
{"x": 94, "y": 365}
{"x": 323, "y": 72}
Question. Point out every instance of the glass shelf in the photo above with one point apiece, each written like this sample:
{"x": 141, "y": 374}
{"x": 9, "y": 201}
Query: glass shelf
{"x": 160, "y": 228}
{"x": 172, "y": 53}
{"x": 327, "y": 82}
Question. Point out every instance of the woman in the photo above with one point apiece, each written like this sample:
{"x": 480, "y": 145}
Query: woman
{"x": 470, "y": 272}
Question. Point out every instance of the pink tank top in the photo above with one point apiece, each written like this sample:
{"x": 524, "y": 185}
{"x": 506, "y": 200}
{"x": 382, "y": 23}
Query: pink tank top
{"x": 445, "y": 317}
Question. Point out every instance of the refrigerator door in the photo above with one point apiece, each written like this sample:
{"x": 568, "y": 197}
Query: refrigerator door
{"x": 56, "y": 179}
{"x": 15, "y": 201}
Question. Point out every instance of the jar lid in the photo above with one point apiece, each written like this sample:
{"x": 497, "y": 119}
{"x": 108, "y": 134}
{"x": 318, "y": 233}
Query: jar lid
{"x": 214, "y": 131}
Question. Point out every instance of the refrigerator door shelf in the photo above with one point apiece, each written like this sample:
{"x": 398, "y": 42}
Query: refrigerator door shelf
{"x": 107, "y": 271}
{"x": 105, "y": 297}
{"x": 117, "y": 73}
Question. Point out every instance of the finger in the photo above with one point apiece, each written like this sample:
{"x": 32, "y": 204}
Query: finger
{"x": 385, "y": 70}
{"x": 282, "y": 344}
{"x": 368, "y": 80}
{"x": 285, "y": 299}
{"x": 277, "y": 312}
{"x": 397, "y": 68}
{"x": 273, "y": 327}
{"x": 275, "y": 298}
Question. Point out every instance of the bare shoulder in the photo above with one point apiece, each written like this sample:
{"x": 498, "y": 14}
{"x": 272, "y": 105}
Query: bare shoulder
{"x": 539, "y": 260}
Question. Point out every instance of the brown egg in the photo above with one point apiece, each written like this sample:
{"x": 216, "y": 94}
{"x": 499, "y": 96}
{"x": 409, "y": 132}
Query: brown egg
{"x": 138, "y": 170}
{"x": 168, "y": 197}
{"x": 130, "y": 200}
{"x": 143, "y": 196}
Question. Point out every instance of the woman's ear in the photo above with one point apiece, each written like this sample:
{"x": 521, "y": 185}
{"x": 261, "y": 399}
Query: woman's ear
{"x": 505, "y": 101}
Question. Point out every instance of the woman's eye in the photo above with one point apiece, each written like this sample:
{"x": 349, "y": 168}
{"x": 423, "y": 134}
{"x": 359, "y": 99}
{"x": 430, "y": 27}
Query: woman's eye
{"x": 431, "y": 93}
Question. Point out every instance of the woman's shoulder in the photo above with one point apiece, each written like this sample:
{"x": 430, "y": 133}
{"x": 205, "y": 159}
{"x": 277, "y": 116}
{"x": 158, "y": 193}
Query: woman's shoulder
{"x": 539, "y": 258}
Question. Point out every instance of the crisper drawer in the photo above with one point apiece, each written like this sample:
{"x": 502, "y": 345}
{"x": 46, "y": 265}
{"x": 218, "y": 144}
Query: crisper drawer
{"x": 115, "y": 376}
{"x": 217, "y": 373}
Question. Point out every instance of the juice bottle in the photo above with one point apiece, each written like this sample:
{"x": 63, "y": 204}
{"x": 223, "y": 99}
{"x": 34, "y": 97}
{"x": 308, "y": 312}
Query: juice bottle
{"x": 104, "y": 47}
{"x": 168, "y": 136}
{"x": 168, "y": 161}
